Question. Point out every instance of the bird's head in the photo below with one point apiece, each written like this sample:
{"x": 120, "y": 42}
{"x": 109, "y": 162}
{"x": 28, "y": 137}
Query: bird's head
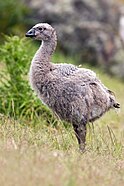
{"x": 41, "y": 31}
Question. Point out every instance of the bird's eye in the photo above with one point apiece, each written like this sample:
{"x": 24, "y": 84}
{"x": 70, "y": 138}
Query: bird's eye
{"x": 41, "y": 29}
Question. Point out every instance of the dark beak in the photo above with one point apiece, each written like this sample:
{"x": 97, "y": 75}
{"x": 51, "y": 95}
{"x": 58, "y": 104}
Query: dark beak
{"x": 30, "y": 33}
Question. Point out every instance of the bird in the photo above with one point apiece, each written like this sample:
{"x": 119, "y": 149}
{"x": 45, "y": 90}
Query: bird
{"x": 76, "y": 95}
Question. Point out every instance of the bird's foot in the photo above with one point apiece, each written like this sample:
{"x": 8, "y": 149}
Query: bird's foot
{"x": 82, "y": 148}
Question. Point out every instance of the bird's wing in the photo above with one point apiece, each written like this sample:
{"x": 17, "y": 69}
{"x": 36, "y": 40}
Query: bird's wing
{"x": 72, "y": 71}
{"x": 78, "y": 75}
{"x": 81, "y": 77}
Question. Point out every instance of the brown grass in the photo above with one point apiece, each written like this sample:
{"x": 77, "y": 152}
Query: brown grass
{"x": 47, "y": 156}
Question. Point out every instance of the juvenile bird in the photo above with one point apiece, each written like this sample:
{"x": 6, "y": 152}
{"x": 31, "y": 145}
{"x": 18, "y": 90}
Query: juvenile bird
{"x": 75, "y": 94}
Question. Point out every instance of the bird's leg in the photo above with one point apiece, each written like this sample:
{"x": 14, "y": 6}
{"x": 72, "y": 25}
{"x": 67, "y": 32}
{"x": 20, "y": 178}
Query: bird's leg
{"x": 80, "y": 132}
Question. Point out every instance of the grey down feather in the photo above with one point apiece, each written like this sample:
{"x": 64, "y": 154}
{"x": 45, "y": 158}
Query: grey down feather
{"x": 75, "y": 94}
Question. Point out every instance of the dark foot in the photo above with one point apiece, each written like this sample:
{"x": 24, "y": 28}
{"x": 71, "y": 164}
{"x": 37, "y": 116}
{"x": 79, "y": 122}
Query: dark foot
{"x": 82, "y": 148}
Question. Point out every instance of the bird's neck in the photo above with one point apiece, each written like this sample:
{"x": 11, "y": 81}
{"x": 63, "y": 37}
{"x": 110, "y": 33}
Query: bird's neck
{"x": 41, "y": 65}
{"x": 42, "y": 57}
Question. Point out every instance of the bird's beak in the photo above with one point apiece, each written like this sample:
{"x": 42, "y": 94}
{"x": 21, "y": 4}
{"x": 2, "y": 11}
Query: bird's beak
{"x": 30, "y": 33}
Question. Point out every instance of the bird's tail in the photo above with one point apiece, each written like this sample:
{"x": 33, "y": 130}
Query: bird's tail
{"x": 116, "y": 105}
{"x": 112, "y": 100}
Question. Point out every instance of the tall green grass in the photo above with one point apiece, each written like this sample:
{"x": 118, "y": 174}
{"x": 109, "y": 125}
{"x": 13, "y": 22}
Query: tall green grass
{"x": 16, "y": 98}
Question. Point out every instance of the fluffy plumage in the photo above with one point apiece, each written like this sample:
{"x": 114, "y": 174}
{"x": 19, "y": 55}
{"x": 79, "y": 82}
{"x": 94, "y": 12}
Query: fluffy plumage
{"x": 75, "y": 94}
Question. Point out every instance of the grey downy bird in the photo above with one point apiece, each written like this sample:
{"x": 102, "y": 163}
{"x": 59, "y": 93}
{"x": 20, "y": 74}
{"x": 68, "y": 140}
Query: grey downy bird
{"x": 75, "y": 94}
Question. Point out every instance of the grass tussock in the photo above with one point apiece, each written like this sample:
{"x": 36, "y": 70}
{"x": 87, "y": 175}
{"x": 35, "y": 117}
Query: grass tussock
{"x": 37, "y": 149}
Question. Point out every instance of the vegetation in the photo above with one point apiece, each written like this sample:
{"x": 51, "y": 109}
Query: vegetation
{"x": 12, "y": 16}
{"x": 16, "y": 98}
{"x": 42, "y": 150}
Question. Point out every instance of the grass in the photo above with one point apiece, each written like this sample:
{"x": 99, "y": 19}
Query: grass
{"x": 48, "y": 156}
{"x": 41, "y": 150}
